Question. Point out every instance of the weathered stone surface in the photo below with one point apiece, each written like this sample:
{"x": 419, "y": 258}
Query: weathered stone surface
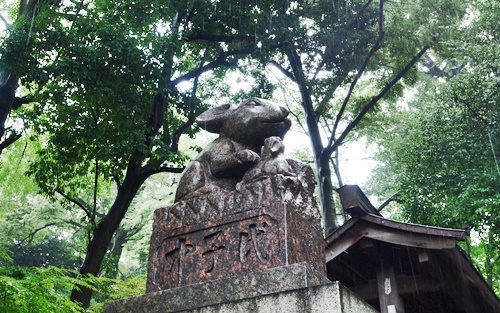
{"x": 250, "y": 285}
{"x": 269, "y": 222}
{"x": 237, "y": 213}
{"x": 272, "y": 162}
{"x": 331, "y": 298}
{"x": 242, "y": 130}
{"x": 210, "y": 202}
{"x": 237, "y": 244}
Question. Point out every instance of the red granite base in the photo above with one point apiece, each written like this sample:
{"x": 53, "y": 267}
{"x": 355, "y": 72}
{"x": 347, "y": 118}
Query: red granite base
{"x": 250, "y": 241}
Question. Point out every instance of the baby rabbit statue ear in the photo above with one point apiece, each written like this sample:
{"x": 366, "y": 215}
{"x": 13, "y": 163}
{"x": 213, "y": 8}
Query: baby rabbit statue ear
{"x": 272, "y": 162}
{"x": 274, "y": 145}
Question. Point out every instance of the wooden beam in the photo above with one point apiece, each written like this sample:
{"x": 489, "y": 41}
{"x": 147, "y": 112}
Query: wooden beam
{"x": 343, "y": 243}
{"x": 389, "y": 297}
{"x": 388, "y": 235}
{"x": 401, "y": 237}
{"x": 406, "y": 285}
{"x": 374, "y": 227}
{"x": 458, "y": 234}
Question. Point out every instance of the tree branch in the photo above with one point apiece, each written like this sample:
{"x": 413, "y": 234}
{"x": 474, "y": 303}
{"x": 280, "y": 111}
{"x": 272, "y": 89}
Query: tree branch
{"x": 375, "y": 99}
{"x": 7, "y": 25}
{"x": 307, "y": 105}
{"x": 349, "y": 27}
{"x": 176, "y": 135}
{"x": 165, "y": 169}
{"x": 374, "y": 48}
{"x": 320, "y": 109}
{"x": 115, "y": 178}
{"x": 8, "y": 141}
{"x": 282, "y": 70}
{"x": 358, "y": 15}
{"x": 96, "y": 185}
{"x": 190, "y": 16}
{"x": 221, "y": 38}
{"x": 18, "y": 102}
{"x": 133, "y": 231}
{"x": 76, "y": 14}
{"x": 326, "y": 125}
{"x": 389, "y": 200}
{"x": 80, "y": 203}
{"x": 299, "y": 122}
{"x": 71, "y": 222}
{"x": 220, "y": 61}
{"x": 33, "y": 233}
{"x": 174, "y": 140}
{"x": 474, "y": 112}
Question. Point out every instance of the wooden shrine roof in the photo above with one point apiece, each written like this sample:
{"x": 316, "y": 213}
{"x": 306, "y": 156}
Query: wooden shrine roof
{"x": 431, "y": 272}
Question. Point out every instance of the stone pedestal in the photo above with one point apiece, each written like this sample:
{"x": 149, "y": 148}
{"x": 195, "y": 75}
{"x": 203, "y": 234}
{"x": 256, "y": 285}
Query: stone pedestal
{"x": 250, "y": 285}
{"x": 219, "y": 234}
{"x": 295, "y": 288}
{"x": 246, "y": 249}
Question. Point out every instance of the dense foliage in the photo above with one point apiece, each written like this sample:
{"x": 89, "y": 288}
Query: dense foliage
{"x": 443, "y": 155}
{"x": 106, "y": 89}
{"x": 108, "y": 109}
{"x": 38, "y": 290}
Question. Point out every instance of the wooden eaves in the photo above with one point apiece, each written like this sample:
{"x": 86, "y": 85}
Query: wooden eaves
{"x": 402, "y": 267}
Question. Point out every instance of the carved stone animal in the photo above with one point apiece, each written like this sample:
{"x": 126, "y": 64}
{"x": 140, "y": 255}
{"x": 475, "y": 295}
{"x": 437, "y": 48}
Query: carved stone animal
{"x": 242, "y": 131}
{"x": 272, "y": 161}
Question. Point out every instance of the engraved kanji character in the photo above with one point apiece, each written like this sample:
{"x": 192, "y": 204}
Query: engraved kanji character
{"x": 214, "y": 248}
{"x": 254, "y": 240}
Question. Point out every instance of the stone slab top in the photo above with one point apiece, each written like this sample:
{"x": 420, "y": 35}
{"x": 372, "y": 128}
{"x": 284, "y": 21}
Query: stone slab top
{"x": 274, "y": 280}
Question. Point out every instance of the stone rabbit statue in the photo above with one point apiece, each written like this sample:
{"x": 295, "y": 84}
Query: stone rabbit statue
{"x": 272, "y": 161}
{"x": 242, "y": 130}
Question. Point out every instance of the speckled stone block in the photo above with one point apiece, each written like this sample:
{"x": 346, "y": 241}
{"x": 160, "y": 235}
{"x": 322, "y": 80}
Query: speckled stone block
{"x": 210, "y": 203}
{"x": 250, "y": 285}
{"x": 238, "y": 244}
{"x": 263, "y": 224}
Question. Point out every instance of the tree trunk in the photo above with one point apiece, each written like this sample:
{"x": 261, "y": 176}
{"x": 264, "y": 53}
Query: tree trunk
{"x": 8, "y": 101}
{"x": 489, "y": 257}
{"x": 7, "y": 96}
{"x": 103, "y": 234}
{"x": 120, "y": 238}
{"x": 321, "y": 160}
{"x": 324, "y": 179}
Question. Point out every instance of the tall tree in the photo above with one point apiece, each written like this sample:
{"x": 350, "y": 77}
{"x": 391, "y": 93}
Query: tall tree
{"x": 27, "y": 11}
{"x": 443, "y": 156}
{"x": 332, "y": 51}
{"x": 105, "y": 77}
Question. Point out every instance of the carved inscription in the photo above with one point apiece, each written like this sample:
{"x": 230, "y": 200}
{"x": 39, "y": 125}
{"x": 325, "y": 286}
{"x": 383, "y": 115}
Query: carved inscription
{"x": 172, "y": 254}
{"x": 213, "y": 250}
{"x": 253, "y": 240}
{"x": 241, "y": 246}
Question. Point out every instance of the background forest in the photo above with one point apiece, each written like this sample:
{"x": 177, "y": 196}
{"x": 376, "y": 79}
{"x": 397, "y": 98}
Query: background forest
{"x": 97, "y": 108}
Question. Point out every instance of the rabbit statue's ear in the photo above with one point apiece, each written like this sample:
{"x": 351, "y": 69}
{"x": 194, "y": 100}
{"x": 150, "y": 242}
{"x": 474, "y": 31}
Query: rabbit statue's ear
{"x": 277, "y": 146}
{"x": 212, "y": 120}
{"x": 274, "y": 146}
